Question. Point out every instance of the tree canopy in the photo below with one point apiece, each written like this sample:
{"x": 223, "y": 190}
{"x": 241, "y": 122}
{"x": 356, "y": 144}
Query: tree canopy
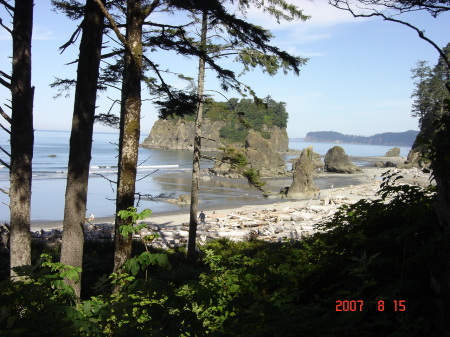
{"x": 244, "y": 114}
{"x": 430, "y": 92}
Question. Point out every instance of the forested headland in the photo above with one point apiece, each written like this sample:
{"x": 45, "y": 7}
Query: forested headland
{"x": 406, "y": 138}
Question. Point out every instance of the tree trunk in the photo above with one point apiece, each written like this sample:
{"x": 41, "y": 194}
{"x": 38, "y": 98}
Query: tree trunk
{"x": 22, "y": 135}
{"x": 129, "y": 128}
{"x": 81, "y": 138}
{"x": 197, "y": 144}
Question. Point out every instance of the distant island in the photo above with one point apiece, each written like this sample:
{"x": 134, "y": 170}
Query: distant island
{"x": 388, "y": 138}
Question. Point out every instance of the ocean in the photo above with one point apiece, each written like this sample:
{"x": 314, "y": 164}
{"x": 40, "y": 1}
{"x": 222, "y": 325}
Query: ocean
{"x": 160, "y": 171}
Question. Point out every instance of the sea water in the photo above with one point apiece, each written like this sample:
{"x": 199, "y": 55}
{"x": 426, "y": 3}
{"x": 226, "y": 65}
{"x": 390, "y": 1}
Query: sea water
{"x": 159, "y": 171}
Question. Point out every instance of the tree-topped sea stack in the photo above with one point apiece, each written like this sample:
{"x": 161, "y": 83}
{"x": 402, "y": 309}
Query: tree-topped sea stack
{"x": 224, "y": 123}
{"x": 336, "y": 160}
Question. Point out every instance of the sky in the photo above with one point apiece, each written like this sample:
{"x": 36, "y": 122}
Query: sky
{"x": 357, "y": 80}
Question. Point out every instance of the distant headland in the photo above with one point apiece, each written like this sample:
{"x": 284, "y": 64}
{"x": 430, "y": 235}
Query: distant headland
{"x": 406, "y": 138}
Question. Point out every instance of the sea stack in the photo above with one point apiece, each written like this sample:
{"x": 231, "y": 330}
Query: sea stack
{"x": 304, "y": 168}
{"x": 336, "y": 160}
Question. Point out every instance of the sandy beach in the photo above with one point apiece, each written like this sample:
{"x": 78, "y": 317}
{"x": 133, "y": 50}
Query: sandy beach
{"x": 339, "y": 188}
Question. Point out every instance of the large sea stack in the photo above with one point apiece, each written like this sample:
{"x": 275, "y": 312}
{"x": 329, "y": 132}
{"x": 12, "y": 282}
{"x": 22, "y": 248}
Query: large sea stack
{"x": 262, "y": 157}
{"x": 304, "y": 168}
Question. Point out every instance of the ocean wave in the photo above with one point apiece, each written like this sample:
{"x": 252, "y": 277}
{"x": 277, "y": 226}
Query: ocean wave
{"x": 157, "y": 166}
{"x": 102, "y": 166}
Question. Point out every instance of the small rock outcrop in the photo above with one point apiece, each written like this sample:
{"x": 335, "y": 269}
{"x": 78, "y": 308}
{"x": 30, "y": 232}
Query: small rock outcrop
{"x": 304, "y": 168}
{"x": 394, "y": 152}
{"x": 336, "y": 160}
{"x": 262, "y": 157}
{"x": 415, "y": 159}
{"x": 383, "y": 164}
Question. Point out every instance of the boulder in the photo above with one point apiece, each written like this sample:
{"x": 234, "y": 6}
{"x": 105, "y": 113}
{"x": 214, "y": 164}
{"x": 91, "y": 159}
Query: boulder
{"x": 304, "y": 168}
{"x": 382, "y": 164}
{"x": 394, "y": 152}
{"x": 336, "y": 160}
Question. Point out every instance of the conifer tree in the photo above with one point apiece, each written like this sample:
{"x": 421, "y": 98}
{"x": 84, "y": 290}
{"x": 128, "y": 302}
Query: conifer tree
{"x": 22, "y": 133}
{"x": 81, "y": 134}
{"x": 250, "y": 53}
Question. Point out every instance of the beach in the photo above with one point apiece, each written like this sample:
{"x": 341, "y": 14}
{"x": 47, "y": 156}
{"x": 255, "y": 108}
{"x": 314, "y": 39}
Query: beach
{"x": 274, "y": 218}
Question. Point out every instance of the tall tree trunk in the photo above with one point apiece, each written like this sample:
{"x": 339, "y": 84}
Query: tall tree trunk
{"x": 197, "y": 143}
{"x": 22, "y": 135}
{"x": 129, "y": 128}
{"x": 81, "y": 138}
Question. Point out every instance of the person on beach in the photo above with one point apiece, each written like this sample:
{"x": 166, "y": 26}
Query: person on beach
{"x": 202, "y": 217}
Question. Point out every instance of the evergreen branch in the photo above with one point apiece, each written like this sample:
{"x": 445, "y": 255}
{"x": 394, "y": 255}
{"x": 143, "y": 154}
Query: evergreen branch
{"x": 147, "y": 175}
{"x": 158, "y": 73}
{"x": 5, "y": 115}
{"x": 152, "y": 198}
{"x": 116, "y": 29}
{"x": 72, "y": 39}
{"x": 111, "y": 182}
{"x": 1, "y": 125}
{"x": 5, "y": 164}
{"x": 212, "y": 140}
{"x": 7, "y": 5}
{"x": 162, "y": 25}
{"x": 4, "y": 151}
{"x": 111, "y": 54}
{"x": 3, "y": 82}
{"x": 5, "y": 75}
{"x": 421, "y": 34}
{"x": 150, "y": 8}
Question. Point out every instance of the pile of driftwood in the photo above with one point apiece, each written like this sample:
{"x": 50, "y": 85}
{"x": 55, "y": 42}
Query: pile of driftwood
{"x": 275, "y": 225}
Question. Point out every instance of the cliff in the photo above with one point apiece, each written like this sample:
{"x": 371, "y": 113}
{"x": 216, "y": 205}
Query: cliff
{"x": 406, "y": 138}
{"x": 179, "y": 135}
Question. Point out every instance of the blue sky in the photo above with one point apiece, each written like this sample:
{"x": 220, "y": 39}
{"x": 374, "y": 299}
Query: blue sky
{"x": 357, "y": 81}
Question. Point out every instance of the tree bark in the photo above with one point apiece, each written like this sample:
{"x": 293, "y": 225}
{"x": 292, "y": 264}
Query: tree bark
{"x": 81, "y": 138}
{"x": 193, "y": 223}
{"x": 22, "y": 135}
{"x": 129, "y": 128}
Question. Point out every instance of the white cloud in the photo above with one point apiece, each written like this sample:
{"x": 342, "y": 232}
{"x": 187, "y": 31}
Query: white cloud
{"x": 321, "y": 15}
{"x": 42, "y": 33}
{"x": 39, "y": 33}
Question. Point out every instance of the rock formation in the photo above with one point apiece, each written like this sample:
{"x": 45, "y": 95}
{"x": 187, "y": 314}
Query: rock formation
{"x": 304, "y": 168}
{"x": 257, "y": 154}
{"x": 336, "y": 160}
{"x": 262, "y": 157}
{"x": 394, "y": 152}
{"x": 279, "y": 139}
{"x": 179, "y": 135}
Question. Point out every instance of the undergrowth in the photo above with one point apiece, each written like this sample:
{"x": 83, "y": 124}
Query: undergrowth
{"x": 376, "y": 253}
